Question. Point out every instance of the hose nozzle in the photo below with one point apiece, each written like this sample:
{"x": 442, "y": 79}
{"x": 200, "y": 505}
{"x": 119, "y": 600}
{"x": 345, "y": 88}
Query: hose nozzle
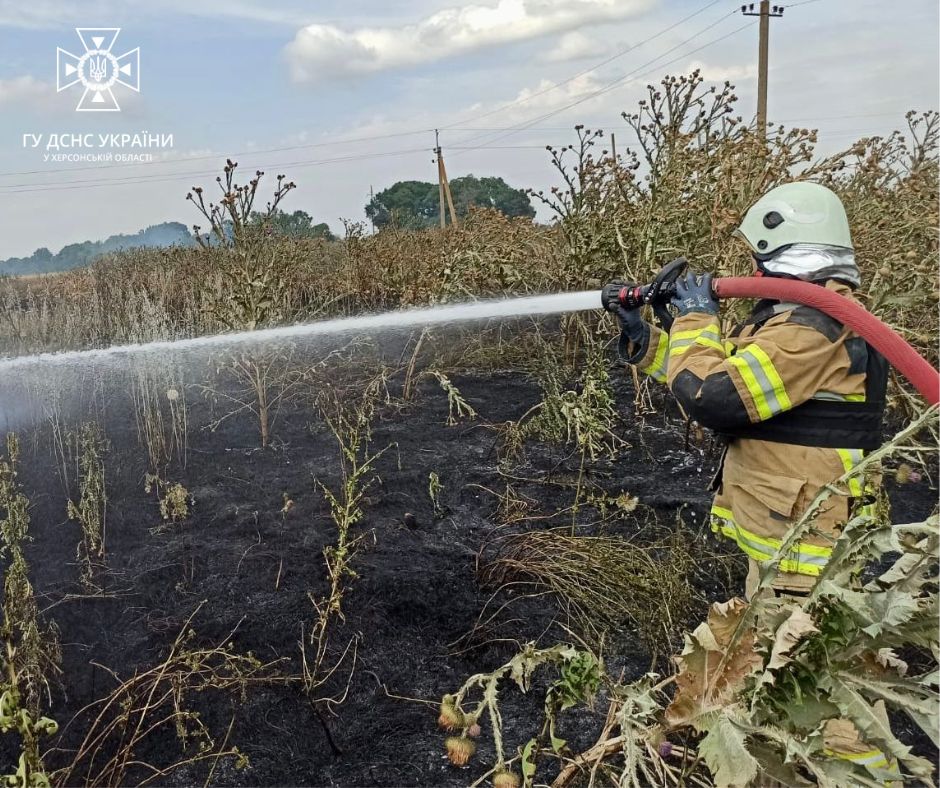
{"x": 622, "y": 294}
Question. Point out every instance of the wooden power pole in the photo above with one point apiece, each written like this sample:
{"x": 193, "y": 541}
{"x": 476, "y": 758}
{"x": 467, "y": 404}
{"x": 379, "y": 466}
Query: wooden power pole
{"x": 440, "y": 176}
{"x": 443, "y": 184}
{"x": 765, "y": 12}
{"x": 371, "y": 203}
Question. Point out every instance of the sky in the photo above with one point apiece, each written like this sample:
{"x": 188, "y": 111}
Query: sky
{"x": 343, "y": 96}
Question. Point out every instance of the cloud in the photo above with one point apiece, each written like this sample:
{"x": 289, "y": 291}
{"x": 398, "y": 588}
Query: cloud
{"x": 320, "y": 51}
{"x": 730, "y": 73}
{"x": 50, "y": 14}
{"x": 25, "y": 91}
{"x": 575, "y": 46}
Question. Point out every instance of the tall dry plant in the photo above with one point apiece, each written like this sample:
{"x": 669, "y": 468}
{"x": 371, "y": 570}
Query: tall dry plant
{"x": 88, "y": 447}
{"x": 30, "y": 651}
{"x": 351, "y": 426}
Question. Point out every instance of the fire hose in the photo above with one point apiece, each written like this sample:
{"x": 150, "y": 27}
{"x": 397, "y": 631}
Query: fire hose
{"x": 899, "y": 353}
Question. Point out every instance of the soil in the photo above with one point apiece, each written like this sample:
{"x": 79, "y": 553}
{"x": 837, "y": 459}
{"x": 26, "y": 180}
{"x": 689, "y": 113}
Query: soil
{"x": 245, "y": 565}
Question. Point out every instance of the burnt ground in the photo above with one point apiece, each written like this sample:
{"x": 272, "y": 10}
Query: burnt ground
{"x": 248, "y": 566}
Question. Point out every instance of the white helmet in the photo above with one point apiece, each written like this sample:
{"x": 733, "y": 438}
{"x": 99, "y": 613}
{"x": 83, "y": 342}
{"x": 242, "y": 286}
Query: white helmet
{"x": 801, "y": 230}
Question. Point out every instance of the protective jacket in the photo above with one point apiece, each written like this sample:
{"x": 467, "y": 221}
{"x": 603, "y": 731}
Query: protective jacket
{"x": 800, "y": 399}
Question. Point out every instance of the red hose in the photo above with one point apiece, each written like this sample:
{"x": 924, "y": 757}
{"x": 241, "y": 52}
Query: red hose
{"x": 883, "y": 338}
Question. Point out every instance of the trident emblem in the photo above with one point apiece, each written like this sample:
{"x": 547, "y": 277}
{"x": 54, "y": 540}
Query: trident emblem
{"x": 98, "y": 69}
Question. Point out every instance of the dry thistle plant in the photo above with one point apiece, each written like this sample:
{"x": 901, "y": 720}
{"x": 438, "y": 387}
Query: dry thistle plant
{"x": 435, "y": 488}
{"x": 351, "y": 426}
{"x": 30, "y": 652}
{"x": 120, "y": 727}
{"x": 88, "y": 447}
{"x": 252, "y": 287}
{"x": 457, "y": 407}
{"x": 579, "y": 674}
{"x": 161, "y": 416}
{"x": 174, "y": 499}
{"x": 255, "y": 383}
{"x": 584, "y": 416}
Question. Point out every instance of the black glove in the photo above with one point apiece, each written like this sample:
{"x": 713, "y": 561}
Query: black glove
{"x": 694, "y": 294}
{"x": 632, "y": 324}
{"x": 635, "y": 331}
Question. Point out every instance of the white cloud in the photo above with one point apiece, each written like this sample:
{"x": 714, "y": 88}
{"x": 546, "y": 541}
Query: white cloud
{"x": 575, "y": 46}
{"x": 26, "y": 91}
{"x": 319, "y": 51}
{"x": 730, "y": 73}
{"x": 46, "y": 14}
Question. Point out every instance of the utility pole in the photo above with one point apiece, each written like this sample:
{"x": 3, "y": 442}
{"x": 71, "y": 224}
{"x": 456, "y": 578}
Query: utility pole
{"x": 372, "y": 201}
{"x": 443, "y": 184}
{"x": 765, "y": 12}
{"x": 440, "y": 176}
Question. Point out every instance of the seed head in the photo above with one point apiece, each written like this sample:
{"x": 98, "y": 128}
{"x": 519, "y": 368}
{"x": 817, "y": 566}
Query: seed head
{"x": 504, "y": 778}
{"x": 450, "y": 718}
{"x": 460, "y": 749}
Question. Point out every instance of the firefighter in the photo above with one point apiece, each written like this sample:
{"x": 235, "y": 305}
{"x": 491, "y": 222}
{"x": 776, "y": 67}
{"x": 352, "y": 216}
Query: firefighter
{"x": 798, "y": 396}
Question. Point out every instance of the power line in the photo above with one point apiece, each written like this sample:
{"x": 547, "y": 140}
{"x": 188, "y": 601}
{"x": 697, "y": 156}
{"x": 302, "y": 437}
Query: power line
{"x": 307, "y": 146}
{"x": 525, "y": 125}
{"x": 843, "y": 117}
{"x": 581, "y": 73}
{"x": 135, "y": 179}
{"x": 610, "y": 85}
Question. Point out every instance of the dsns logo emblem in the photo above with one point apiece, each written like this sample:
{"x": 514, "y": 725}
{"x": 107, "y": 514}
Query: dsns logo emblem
{"x": 98, "y": 70}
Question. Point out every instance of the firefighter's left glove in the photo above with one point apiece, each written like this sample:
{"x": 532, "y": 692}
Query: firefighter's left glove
{"x": 634, "y": 335}
{"x": 632, "y": 325}
{"x": 694, "y": 294}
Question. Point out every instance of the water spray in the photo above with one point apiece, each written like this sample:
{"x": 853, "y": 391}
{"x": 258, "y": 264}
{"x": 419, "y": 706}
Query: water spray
{"x": 656, "y": 294}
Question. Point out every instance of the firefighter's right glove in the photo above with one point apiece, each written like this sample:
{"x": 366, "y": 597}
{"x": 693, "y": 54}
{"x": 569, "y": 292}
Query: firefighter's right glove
{"x": 694, "y": 294}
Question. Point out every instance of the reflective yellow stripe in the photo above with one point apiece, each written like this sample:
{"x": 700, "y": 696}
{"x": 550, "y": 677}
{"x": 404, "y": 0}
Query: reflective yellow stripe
{"x": 830, "y": 396}
{"x": 771, "y": 371}
{"x": 753, "y": 387}
{"x": 762, "y": 381}
{"x": 712, "y": 343}
{"x": 657, "y": 367}
{"x": 693, "y": 332}
{"x": 707, "y": 336}
{"x": 729, "y": 347}
{"x": 806, "y": 559}
{"x": 850, "y": 458}
{"x": 876, "y": 759}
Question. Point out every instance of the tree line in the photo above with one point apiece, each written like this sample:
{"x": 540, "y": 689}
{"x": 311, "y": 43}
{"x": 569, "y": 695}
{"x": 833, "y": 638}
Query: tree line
{"x": 405, "y": 204}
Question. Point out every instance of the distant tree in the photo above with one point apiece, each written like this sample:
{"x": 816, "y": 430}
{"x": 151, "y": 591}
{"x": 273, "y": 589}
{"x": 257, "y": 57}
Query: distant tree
{"x": 491, "y": 193}
{"x": 42, "y": 261}
{"x": 411, "y": 204}
{"x": 298, "y": 224}
{"x": 416, "y": 204}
